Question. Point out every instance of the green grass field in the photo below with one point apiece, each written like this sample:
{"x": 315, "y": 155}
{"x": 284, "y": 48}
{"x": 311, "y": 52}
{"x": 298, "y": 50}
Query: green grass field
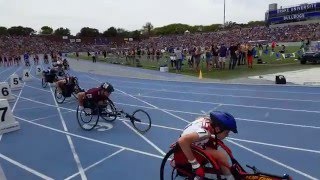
{"x": 272, "y": 65}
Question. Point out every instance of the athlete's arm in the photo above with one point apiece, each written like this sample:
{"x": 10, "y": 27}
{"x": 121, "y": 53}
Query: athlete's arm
{"x": 185, "y": 144}
{"x": 188, "y": 139}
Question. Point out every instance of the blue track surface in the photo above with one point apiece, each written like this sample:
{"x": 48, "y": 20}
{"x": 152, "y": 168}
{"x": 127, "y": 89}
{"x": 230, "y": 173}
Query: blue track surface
{"x": 279, "y": 127}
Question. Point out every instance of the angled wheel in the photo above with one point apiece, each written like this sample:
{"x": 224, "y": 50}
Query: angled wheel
{"x": 108, "y": 113}
{"x": 141, "y": 120}
{"x": 87, "y": 118}
{"x": 59, "y": 96}
{"x": 167, "y": 172}
{"x": 171, "y": 170}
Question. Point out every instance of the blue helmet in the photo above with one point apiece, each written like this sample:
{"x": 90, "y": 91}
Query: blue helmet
{"x": 224, "y": 120}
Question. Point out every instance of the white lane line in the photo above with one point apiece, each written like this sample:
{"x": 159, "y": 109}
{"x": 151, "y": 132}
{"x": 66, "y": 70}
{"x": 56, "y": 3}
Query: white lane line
{"x": 278, "y": 123}
{"x": 36, "y": 78}
{"x": 245, "y": 147}
{"x": 18, "y": 97}
{"x": 50, "y": 116}
{"x": 90, "y": 139}
{"x": 41, "y": 89}
{"x": 240, "y": 119}
{"x": 237, "y": 89}
{"x": 275, "y": 145}
{"x": 146, "y": 139}
{"x": 236, "y": 105}
{"x": 177, "y": 129}
{"x": 6, "y": 70}
{"x": 50, "y": 105}
{"x": 73, "y": 149}
{"x": 25, "y": 167}
{"x": 29, "y": 108}
{"x": 274, "y": 161}
{"x": 13, "y": 73}
{"x": 146, "y": 103}
{"x": 207, "y": 113}
{"x": 95, "y": 164}
{"x": 185, "y": 112}
{"x": 220, "y": 95}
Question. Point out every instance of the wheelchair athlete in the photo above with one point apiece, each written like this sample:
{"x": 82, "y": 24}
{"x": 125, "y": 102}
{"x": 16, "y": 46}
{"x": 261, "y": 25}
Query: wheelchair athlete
{"x": 201, "y": 132}
{"x": 50, "y": 74}
{"x": 95, "y": 96}
{"x": 66, "y": 84}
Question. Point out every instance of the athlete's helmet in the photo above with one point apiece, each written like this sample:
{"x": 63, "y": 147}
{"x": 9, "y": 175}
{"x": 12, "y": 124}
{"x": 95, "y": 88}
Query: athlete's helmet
{"x": 224, "y": 120}
{"x": 107, "y": 86}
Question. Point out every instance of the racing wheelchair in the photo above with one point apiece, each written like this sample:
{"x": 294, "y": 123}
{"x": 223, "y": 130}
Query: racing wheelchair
{"x": 48, "y": 77}
{"x": 68, "y": 90}
{"x": 88, "y": 117}
{"x": 178, "y": 166}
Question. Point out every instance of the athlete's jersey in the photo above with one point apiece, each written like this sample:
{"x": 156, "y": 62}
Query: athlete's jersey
{"x": 199, "y": 126}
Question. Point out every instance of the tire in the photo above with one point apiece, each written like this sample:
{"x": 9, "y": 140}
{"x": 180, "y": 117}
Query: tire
{"x": 90, "y": 122}
{"x": 141, "y": 120}
{"x": 303, "y": 62}
{"x": 174, "y": 173}
{"x": 59, "y": 96}
{"x": 44, "y": 83}
{"x": 109, "y": 113}
{"x": 163, "y": 163}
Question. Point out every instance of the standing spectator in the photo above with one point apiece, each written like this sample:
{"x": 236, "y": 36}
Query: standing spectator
{"x": 215, "y": 59}
{"x": 197, "y": 58}
{"x": 208, "y": 58}
{"x": 222, "y": 56}
{"x": 250, "y": 56}
{"x": 233, "y": 49}
{"x": 178, "y": 54}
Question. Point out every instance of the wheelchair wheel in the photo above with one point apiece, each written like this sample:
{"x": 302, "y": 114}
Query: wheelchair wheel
{"x": 44, "y": 83}
{"x": 59, "y": 96}
{"x": 87, "y": 118}
{"x": 141, "y": 120}
{"x": 109, "y": 113}
{"x": 170, "y": 171}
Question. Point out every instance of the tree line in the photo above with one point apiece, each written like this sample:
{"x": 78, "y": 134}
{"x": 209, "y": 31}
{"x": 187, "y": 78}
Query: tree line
{"x": 146, "y": 31}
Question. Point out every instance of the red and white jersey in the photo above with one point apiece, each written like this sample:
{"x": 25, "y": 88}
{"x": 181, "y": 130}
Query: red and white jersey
{"x": 200, "y": 126}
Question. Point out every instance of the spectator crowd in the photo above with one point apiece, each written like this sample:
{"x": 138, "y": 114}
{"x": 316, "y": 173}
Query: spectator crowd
{"x": 214, "y": 46}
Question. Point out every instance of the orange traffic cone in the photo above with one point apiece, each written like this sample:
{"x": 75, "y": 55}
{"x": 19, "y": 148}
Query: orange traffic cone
{"x": 200, "y": 75}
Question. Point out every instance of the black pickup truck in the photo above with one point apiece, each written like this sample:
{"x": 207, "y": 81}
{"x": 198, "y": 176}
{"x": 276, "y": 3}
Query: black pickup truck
{"x": 312, "y": 57}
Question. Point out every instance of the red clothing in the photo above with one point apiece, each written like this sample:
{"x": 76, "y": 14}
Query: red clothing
{"x": 273, "y": 45}
{"x": 95, "y": 95}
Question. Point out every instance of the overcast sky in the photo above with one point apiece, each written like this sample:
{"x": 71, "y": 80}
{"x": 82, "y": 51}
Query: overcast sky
{"x": 130, "y": 14}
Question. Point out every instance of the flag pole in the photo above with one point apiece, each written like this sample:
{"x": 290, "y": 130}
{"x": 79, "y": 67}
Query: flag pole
{"x": 224, "y": 13}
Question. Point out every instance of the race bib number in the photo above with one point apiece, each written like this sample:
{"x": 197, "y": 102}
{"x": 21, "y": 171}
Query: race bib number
{"x": 203, "y": 134}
